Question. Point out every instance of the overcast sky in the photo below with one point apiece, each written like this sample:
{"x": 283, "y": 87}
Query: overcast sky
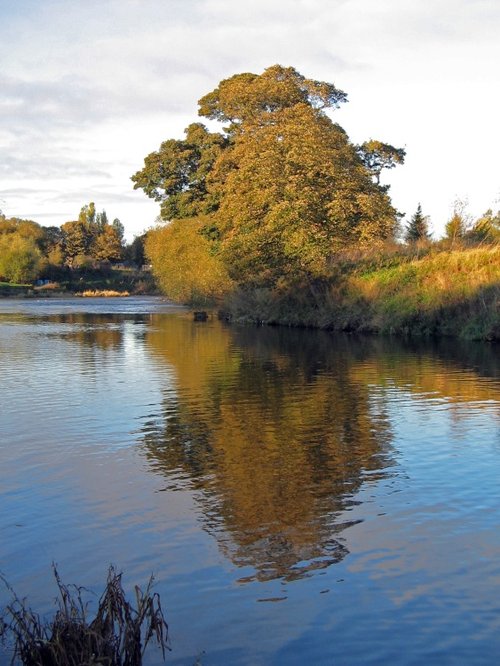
{"x": 89, "y": 87}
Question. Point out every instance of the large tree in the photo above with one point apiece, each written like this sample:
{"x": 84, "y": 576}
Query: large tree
{"x": 107, "y": 245}
{"x": 176, "y": 175}
{"x": 281, "y": 186}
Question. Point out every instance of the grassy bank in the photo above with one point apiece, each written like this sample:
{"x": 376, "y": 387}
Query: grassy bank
{"x": 7, "y": 289}
{"x": 432, "y": 292}
{"x": 101, "y": 283}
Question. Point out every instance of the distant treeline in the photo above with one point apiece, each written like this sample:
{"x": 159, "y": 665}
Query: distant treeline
{"x": 29, "y": 251}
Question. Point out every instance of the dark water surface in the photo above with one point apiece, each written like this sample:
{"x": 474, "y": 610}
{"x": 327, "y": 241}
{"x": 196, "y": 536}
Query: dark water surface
{"x": 302, "y": 497}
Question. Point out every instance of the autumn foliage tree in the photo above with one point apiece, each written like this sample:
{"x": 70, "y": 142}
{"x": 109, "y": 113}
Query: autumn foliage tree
{"x": 279, "y": 188}
{"x": 20, "y": 249}
{"x": 186, "y": 269}
{"x": 486, "y": 229}
{"x": 92, "y": 237}
{"x": 19, "y": 258}
{"x": 29, "y": 251}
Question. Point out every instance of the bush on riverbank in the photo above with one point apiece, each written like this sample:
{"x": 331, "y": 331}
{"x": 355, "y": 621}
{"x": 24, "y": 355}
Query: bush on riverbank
{"x": 428, "y": 291}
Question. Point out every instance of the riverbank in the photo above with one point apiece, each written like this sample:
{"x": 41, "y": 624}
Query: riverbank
{"x": 430, "y": 293}
{"x": 117, "y": 282}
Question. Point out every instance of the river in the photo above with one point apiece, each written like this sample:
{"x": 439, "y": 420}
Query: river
{"x": 301, "y": 497}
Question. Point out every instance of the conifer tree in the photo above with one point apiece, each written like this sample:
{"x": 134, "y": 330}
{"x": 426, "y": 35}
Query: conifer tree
{"x": 418, "y": 227}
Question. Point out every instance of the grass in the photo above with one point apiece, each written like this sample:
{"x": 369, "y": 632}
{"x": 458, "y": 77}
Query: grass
{"x": 117, "y": 635}
{"x": 105, "y": 293}
{"x": 428, "y": 291}
{"x": 12, "y": 289}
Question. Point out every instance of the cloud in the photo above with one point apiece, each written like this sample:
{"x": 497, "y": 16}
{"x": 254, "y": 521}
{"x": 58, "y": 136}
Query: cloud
{"x": 47, "y": 166}
{"x": 87, "y": 89}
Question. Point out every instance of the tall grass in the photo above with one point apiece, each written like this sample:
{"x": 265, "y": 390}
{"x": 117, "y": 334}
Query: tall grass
{"x": 426, "y": 290}
{"x": 117, "y": 635}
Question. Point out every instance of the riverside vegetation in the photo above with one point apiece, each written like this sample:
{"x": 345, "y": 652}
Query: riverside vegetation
{"x": 118, "y": 634}
{"x": 279, "y": 218}
{"x": 431, "y": 292}
{"x": 87, "y": 254}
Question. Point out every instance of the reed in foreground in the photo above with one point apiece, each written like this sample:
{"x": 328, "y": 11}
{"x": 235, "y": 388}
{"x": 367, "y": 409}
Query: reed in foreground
{"x": 117, "y": 636}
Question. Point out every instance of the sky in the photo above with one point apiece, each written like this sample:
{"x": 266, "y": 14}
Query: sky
{"x": 88, "y": 88}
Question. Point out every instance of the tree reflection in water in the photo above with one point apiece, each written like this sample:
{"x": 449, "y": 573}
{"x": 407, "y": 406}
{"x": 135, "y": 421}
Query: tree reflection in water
{"x": 276, "y": 434}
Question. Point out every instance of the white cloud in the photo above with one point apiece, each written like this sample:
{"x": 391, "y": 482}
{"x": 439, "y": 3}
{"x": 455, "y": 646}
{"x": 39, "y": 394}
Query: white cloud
{"x": 87, "y": 89}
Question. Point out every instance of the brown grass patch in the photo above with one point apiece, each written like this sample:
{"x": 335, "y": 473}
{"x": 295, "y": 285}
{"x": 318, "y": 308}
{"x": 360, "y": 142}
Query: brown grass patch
{"x": 102, "y": 293}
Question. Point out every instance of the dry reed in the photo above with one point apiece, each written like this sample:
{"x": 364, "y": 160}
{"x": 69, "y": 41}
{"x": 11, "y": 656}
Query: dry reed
{"x": 104, "y": 293}
{"x": 117, "y": 636}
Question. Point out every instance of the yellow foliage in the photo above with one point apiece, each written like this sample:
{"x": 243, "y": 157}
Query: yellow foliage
{"x": 183, "y": 263}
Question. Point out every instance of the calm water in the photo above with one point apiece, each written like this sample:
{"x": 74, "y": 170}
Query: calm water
{"x": 302, "y": 498}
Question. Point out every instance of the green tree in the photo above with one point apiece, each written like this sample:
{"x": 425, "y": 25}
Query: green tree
{"x": 134, "y": 252}
{"x": 101, "y": 220}
{"x": 119, "y": 229}
{"x": 176, "y": 175}
{"x": 77, "y": 240}
{"x": 377, "y": 156}
{"x": 418, "y": 227}
{"x": 53, "y": 237}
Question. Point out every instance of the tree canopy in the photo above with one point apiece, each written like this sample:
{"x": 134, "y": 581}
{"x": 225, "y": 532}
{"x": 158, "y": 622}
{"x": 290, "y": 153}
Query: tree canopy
{"x": 280, "y": 187}
{"x": 92, "y": 237}
{"x": 19, "y": 258}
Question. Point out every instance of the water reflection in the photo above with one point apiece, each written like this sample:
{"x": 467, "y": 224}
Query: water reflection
{"x": 276, "y": 433}
{"x": 274, "y": 442}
